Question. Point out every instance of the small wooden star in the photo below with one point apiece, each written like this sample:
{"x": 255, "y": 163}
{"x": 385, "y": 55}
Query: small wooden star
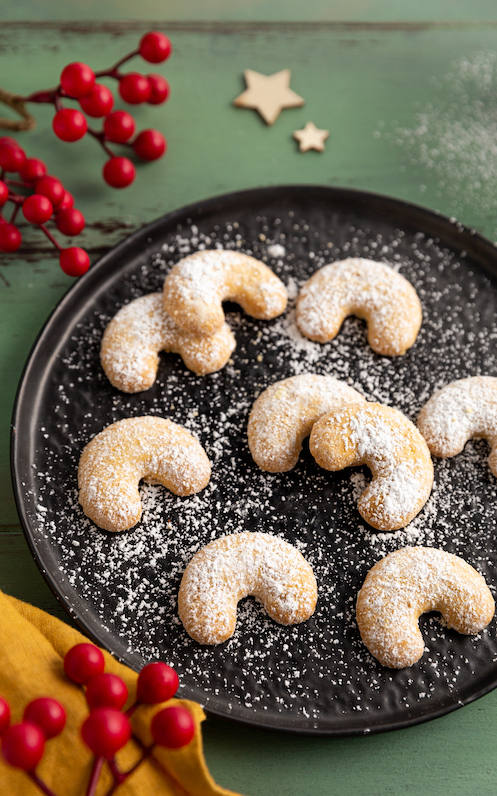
{"x": 311, "y": 138}
{"x": 268, "y": 94}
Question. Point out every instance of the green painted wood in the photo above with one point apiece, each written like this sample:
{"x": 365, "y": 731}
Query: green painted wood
{"x": 367, "y": 84}
{"x": 330, "y": 11}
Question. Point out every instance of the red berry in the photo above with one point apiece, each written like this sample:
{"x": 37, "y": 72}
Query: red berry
{"x": 159, "y": 89}
{"x": 69, "y": 124}
{"x": 23, "y": 745}
{"x": 47, "y": 714}
{"x": 119, "y": 126}
{"x": 10, "y": 238}
{"x": 12, "y": 157}
{"x": 32, "y": 169}
{"x": 155, "y": 47}
{"x": 37, "y": 208}
{"x": 106, "y": 691}
{"x": 149, "y": 144}
{"x": 70, "y": 221}
{"x": 50, "y": 187}
{"x": 173, "y": 727}
{"x": 98, "y": 102}
{"x": 119, "y": 172}
{"x": 83, "y": 660}
{"x": 134, "y": 88}
{"x": 157, "y": 682}
{"x": 67, "y": 201}
{"x": 4, "y": 715}
{"x": 77, "y": 79}
{"x": 74, "y": 262}
{"x": 6, "y": 139}
{"x": 4, "y": 193}
{"x": 105, "y": 731}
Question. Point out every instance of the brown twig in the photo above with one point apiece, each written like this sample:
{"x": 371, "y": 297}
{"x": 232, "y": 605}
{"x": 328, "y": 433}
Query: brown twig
{"x": 16, "y": 102}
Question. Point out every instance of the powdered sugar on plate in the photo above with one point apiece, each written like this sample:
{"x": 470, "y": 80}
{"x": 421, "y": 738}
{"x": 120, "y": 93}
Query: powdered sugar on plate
{"x": 317, "y": 676}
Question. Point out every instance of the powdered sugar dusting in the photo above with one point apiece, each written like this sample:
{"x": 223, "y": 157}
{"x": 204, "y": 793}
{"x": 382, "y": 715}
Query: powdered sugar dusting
{"x": 239, "y": 565}
{"x": 365, "y": 288}
{"x": 409, "y": 582}
{"x": 462, "y": 410}
{"x": 317, "y": 674}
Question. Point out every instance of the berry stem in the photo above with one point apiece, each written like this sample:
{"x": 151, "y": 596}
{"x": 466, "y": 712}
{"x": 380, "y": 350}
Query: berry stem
{"x": 15, "y": 212}
{"x": 42, "y": 96}
{"x": 36, "y": 779}
{"x": 18, "y": 183}
{"x": 114, "y": 70}
{"x": 94, "y": 776}
{"x": 129, "y": 712}
{"x": 100, "y": 137}
{"x": 50, "y": 237}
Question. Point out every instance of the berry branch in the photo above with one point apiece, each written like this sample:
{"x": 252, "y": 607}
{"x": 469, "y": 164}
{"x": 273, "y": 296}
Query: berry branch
{"x": 78, "y": 82}
{"x": 107, "y": 729}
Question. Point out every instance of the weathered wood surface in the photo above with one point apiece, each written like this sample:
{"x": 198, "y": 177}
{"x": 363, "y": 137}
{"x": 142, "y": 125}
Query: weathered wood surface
{"x": 367, "y": 84}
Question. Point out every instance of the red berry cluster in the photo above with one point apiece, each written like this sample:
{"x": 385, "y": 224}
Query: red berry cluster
{"x": 47, "y": 199}
{"x": 107, "y": 728}
{"x": 79, "y": 82}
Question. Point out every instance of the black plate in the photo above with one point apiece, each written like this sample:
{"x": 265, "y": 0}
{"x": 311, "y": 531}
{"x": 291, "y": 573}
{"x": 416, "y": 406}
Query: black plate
{"x": 316, "y": 677}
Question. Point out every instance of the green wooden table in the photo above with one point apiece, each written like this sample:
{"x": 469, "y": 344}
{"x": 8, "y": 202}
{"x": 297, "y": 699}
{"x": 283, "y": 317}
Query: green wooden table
{"x": 411, "y": 107}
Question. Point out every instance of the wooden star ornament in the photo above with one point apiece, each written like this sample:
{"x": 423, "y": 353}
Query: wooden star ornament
{"x": 268, "y": 94}
{"x": 310, "y": 137}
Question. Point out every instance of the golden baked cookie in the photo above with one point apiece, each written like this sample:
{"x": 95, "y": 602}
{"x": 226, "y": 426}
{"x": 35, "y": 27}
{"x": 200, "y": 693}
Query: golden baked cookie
{"x": 131, "y": 343}
{"x": 196, "y": 287}
{"x": 367, "y": 289}
{"x": 240, "y": 565}
{"x": 393, "y": 449}
{"x": 462, "y": 410}
{"x": 408, "y": 583}
{"x": 119, "y": 457}
{"x": 283, "y": 415}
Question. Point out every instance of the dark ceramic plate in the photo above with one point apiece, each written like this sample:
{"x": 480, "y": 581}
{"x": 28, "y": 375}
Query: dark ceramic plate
{"x": 316, "y": 677}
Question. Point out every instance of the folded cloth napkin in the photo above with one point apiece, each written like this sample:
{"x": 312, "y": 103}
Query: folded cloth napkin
{"x": 32, "y": 648}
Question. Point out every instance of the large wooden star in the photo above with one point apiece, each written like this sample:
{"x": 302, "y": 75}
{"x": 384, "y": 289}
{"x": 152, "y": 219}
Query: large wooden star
{"x": 311, "y": 137}
{"x": 268, "y": 94}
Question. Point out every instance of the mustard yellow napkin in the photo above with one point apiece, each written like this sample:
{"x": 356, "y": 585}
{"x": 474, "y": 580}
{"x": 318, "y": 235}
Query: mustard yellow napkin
{"x": 32, "y": 649}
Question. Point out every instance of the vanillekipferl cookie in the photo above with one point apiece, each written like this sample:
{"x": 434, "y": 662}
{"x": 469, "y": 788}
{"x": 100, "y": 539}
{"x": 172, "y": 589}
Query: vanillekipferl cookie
{"x": 411, "y": 582}
{"x": 283, "y": 415}
{"x": 391, "y": 446}
{"x": 196, "y": 286}
{"x": 462, "y": 410}
{"x": 240, "y": 565}
{"x": 119, "y": 457}
{"x": 367, "y": 289}
{"x": 131, "y": 343}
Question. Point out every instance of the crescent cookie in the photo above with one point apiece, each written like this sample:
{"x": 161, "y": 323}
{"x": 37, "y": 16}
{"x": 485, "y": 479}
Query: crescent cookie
{"x": 283, "y": 415}
{"x": 119, "y": 457}
{"x": 408, "y": 583}
{"x": 240, "y": 565}
{"x": 196, "y": 287}
{"x": 463, "y": 410}
{"x": 369, "y": 290}
{"x": 393, "y": 449}
{"x": 129, "y": 353}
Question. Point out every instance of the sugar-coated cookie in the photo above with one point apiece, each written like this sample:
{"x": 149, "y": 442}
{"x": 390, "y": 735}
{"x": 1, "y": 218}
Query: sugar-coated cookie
{"x": 240, "y": 565}
{"x": 196, "y": 287}
{"x": 411, "y": 582}
{"x": 393, "y": 449}
{"x": 283, "y": 415}
{"x": 119, "y": 457}
{"x": 365, "y": 288}
{"x": 462, "y": 410}
{"x": 141, "y": 329}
